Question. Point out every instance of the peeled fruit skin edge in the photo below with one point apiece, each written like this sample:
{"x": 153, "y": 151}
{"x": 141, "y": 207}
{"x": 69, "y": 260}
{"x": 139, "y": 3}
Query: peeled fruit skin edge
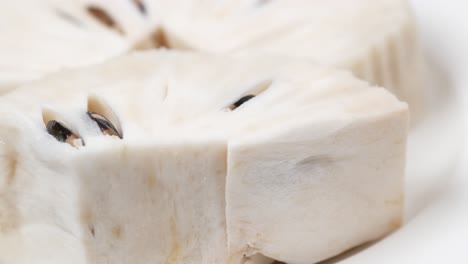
{"x": 119, "y": 199}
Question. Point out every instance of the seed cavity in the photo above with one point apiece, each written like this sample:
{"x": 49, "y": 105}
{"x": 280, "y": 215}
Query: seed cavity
{"x": 106, "y": 119}
{"x": 57, "y": 128}
{"x": 156, "y": 40}
{"x": 104, "y": 124}
{"x": 103, "y": 17}
{"x": 141, "y": 6}
{"x": 251, "y": 93}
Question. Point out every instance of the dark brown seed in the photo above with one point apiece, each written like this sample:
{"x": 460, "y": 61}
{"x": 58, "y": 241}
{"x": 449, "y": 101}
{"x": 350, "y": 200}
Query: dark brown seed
{"x": 62, "y": 133}
{"x": 104, "y": 124}
{"x": 103, "y": 17}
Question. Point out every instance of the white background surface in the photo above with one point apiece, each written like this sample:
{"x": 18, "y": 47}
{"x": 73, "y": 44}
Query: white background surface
{"x": 436, "y": 229}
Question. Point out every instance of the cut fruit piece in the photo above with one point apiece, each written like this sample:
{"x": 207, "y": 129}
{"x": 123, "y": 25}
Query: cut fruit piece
{"x": 309, "y": 167}
{"x": 375, "y": 39}
{"x": 57, "y": 36}
{"x": 333, "y": 177}
{"x": 63, "y": 34}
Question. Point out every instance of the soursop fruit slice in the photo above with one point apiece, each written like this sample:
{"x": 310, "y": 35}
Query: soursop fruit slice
{"x": 57, "y": 36}
{"x": 168, "y": 157}
{"x": 375, "y": 39}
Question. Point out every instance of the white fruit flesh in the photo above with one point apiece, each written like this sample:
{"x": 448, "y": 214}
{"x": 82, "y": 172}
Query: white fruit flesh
{"x": 310, "y": 167}
{"x": 142, "y": 210}
{"x": 374, "y": 39}
{"x": 336, "y": 208}
{"x": 55, "y": 37}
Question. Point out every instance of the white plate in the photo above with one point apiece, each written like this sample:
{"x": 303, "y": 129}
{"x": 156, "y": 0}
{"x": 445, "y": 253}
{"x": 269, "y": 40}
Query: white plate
{"x": 436, "y": 224}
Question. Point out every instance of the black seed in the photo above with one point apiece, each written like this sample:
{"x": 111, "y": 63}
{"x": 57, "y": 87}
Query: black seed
{"x": 104, "y": 124}
{"x": 58, "y": 130}
{"x": 241, "y": 101}
{"x": 62, "y": 133}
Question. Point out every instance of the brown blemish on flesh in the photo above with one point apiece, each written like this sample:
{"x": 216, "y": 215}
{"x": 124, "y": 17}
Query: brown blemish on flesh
{"x": 151, "y": 181}
{"x": 395, "y": 201}
{"x": 12, "y": 165}
{"x": 8, "y": 214}
{"x": 86, "y": 216}
{"x": 117, "y": 232}
{"x": 395, "y": 223}
{"x": 175, "y": 247}
{"x": 86, "y": 219}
